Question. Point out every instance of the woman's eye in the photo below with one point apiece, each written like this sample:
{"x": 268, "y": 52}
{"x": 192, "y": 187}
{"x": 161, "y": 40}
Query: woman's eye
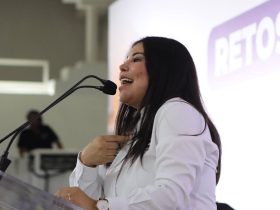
{"x": 137, "y": 59}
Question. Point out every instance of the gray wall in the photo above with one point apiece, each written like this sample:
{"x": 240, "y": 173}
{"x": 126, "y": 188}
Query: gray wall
{"x": 51, "y": 30}
{"x": 40, "y": 29}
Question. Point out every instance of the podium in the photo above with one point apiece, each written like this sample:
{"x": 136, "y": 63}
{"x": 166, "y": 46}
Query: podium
{"x": 17, "y": 195}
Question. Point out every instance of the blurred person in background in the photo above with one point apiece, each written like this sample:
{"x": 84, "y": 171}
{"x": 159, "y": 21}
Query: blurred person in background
{"x": 37, "y": 135}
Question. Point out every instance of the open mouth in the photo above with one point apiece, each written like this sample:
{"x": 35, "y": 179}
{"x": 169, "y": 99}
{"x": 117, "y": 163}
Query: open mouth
{"x": 125, "y": 81}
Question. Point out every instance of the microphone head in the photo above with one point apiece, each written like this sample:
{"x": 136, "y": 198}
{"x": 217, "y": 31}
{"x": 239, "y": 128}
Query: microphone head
{"x": 109, "y": 87}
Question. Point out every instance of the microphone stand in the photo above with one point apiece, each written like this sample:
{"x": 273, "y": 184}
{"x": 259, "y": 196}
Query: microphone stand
{"x": 4, "y": 161}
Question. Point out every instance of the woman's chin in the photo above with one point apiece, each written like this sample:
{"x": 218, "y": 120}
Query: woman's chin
{"x": 123, "y": 99}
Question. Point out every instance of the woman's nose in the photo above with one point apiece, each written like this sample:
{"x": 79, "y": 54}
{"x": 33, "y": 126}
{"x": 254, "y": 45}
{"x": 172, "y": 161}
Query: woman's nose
{"x": 123, "y": 67}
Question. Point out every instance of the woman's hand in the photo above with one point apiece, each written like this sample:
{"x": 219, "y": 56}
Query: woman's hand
{"x": 76, "y": 196}
{"x": 102, "y": 150}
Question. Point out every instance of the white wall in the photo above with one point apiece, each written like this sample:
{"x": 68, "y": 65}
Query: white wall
{"x": 245, "y": 110}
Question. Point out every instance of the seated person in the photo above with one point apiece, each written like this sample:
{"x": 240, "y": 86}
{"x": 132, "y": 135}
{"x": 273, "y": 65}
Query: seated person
{"x": 37, "y": 135}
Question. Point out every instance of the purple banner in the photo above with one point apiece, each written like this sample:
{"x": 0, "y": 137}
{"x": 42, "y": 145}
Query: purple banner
{"x": 245, "y": 46}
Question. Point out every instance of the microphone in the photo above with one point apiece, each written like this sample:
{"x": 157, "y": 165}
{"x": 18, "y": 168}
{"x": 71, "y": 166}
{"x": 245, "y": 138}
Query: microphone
{"x": 108, "y": 87}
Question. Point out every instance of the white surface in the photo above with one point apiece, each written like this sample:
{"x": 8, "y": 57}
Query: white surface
{"x": 246, "y": 112}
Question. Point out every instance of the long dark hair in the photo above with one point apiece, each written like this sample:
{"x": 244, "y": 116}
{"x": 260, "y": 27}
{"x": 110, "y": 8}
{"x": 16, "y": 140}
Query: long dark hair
{"x": 172, "y": 73}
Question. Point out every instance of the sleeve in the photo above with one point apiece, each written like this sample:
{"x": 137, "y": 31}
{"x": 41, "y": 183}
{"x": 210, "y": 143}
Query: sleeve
{"x": 88, "y": 179}
{"x": 180, "y": 156}
{"x": 22, "y": 139}
{"x": 53, "y": 136}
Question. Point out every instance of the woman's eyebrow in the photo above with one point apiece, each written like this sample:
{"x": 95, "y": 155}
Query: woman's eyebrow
{"x": 136, "y": 53}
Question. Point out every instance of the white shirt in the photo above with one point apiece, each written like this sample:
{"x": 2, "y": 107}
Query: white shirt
{"x": 178, "y": 170}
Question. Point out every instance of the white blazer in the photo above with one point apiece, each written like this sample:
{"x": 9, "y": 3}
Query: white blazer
{"x": 178, "y": 170}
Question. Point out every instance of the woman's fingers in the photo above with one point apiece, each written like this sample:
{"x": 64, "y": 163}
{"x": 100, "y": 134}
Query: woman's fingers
{"x": 98, "y": 150}
{"x": 76, "y": 196}
{"x": 64, "y": 193}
